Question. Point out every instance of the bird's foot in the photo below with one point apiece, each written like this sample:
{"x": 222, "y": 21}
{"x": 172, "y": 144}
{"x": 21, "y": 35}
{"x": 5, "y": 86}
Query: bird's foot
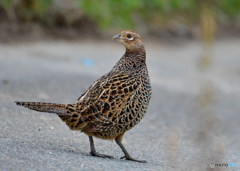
{"x": 101, "y": 155}
{"x": 132, "y": 159}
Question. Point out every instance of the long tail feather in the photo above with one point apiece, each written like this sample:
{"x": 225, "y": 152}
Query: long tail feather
{"x": 59, "y": 109}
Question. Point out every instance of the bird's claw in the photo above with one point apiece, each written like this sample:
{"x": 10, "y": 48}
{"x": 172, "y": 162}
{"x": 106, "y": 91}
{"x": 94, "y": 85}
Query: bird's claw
{"x": 123, "y": 157}
{"x": 132, "y": 159}
{"x": 101, "y": 155}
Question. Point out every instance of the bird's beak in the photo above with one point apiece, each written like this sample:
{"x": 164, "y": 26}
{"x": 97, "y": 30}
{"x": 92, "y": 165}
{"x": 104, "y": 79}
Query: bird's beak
{"x": 116, "y": 37}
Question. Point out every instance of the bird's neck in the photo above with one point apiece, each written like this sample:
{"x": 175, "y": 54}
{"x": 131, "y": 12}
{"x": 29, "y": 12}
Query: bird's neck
{"x": 132, "y": 60}
{"x": 136, "y": 54}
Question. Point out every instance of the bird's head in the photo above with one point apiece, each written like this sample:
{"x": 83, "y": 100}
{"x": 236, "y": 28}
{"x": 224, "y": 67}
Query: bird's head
{"x": 130, "y": 39}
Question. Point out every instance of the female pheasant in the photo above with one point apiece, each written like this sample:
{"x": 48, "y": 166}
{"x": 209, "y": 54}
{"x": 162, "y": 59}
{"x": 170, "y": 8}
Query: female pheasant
{"x": 114, "y": 103}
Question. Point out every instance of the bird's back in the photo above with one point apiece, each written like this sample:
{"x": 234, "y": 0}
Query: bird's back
{"x": 114, "y": 103}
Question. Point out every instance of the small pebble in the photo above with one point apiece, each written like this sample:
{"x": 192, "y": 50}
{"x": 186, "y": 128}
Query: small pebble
{"x": 52, "y": 128}
{"x": 40, "y": 128}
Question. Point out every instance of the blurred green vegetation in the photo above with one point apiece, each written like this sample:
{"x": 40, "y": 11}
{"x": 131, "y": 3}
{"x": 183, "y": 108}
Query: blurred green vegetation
{"x": 124, "y": 13}
{"x": 107, "y": 14}
{"x": 26, "y": 10}
{"x": 156, "y": 13}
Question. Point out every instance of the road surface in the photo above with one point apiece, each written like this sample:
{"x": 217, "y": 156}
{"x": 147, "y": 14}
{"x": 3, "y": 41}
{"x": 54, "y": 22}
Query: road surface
{"x": 193, "y": 118}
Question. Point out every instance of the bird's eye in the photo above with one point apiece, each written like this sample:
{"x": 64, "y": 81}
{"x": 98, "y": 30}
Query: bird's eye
{"x": 129, "y": 36}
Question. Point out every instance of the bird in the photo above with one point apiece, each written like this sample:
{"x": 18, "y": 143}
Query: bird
{"x": 114, "y": 103}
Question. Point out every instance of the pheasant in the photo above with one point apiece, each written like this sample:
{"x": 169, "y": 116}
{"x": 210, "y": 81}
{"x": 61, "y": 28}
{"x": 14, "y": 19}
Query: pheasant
{"x": 114, "y": 103}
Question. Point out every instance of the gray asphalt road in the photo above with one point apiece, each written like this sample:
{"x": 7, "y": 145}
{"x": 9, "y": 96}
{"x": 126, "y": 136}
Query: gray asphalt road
{"x": 193, "y": 117}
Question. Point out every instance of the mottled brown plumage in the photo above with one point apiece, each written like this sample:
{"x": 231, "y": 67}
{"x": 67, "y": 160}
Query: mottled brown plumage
{"x": 114, "y": 103}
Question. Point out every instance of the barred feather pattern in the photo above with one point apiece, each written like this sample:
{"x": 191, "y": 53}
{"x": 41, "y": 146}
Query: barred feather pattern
{"x": 114, "y": 103}
{"x": 59, "y": 109}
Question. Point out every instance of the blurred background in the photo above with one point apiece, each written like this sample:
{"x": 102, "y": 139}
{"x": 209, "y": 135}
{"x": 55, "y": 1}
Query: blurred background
{"x": 52, "y": 50}
{"x": 82, "y": 18}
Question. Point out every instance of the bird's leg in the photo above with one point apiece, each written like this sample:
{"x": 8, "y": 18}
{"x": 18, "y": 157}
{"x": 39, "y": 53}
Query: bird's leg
{"x": 93, "y": 151}
{"x": 127, "y": 155}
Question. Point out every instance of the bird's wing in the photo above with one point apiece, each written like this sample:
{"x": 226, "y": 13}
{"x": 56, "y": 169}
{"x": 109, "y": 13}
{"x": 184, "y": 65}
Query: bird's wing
{"x": 103, "y": 102}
